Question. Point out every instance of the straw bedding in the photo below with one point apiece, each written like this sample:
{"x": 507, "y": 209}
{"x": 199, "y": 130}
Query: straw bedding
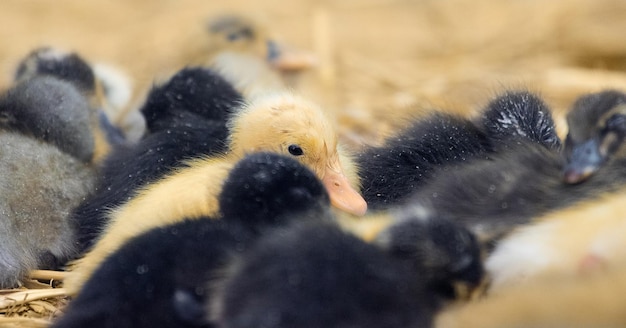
{"x": 380, "y": 61}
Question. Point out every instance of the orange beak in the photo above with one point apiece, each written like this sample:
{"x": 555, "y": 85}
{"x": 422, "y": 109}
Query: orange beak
{"x": 288, "y": 59}
{"x": 342, "y": 195}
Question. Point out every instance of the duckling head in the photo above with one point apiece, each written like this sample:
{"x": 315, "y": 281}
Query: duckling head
{"x": 287, "y": 124}
{"x": 62, "y": 65}
{"x": 71, "y": 68}
{"x": 518, "y": 115}
{"x": 447, "y": 254}
{"x": 597, "y": 127}
{"x": 50, "y": 110}
{"x": 234, "y": 33}
{"x": 268, "y": 189}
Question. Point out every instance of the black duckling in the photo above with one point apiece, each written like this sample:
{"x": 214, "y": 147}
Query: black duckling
{"x": 587, "y": 233}
{"x": 186, "y": 118}
{"x": 445, "y": 253}
{"x": 45, "y": 146}
{"x": 314, "y": 274}
{"x": 190, "y": 98}
{"x": 162, "y": 277}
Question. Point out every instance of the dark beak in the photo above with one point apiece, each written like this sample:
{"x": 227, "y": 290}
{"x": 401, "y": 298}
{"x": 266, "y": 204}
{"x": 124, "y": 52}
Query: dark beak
{"x": 585, "y": 160}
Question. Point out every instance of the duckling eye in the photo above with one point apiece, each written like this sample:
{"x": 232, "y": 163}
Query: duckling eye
{"x": 272, "y": 50}
{"x": 6, "y": 118}
{"x": 295, "y": 150}
{"x": 617, "y": 123}
{"x": 245, "y": 33}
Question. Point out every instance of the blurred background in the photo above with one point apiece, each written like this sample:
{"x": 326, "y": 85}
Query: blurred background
{"x": 378, "y": 61}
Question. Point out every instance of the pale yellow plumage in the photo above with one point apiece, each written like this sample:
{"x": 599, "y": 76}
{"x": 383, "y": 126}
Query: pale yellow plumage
{"x": 592, "y": 300}
{"x": 561, "y": 242}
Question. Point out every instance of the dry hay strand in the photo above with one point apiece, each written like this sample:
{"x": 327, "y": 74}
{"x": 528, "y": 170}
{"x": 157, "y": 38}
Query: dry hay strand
{"x": 23, "y": 322}
{"x": 34, "y": 304}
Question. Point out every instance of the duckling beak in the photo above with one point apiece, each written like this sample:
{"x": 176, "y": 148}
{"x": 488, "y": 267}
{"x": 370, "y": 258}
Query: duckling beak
{"x": 288, "y": 59}
{"x": 585, "y": 160}
{"x": 342, "y": 195}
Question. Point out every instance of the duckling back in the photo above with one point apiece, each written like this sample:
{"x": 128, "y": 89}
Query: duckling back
{"x": 316, "y": 275}
{"x": 41, "y": 186}
{"x": 391, "y": 172}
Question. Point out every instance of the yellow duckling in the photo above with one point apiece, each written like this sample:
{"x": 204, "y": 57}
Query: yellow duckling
{"x": 281, "y": 123}
{"x": 594, "y": 300}
{"x": 244, "y": 51}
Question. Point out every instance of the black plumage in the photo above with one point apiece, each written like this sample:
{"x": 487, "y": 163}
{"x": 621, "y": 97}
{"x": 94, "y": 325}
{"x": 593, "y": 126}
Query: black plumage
{"x": 190, "y": 98}
{"x": 492, "y": 196}
{"x": 163, "y": 277}
{"x": 131, "y": 167}
{"x": 519, "y": 115}
{"x": 444, "y": 252}
{"x": 390, "y": 173}
{"x": 294, "y": 189}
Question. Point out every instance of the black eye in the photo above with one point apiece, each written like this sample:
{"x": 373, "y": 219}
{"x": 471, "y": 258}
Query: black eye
{"x": 295, "y": 150}
{"x": 272, "y": 50}
{"x": 6, "y": 118}
{"x": 245, "y": 33}
{"x": 616, "y": 123}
